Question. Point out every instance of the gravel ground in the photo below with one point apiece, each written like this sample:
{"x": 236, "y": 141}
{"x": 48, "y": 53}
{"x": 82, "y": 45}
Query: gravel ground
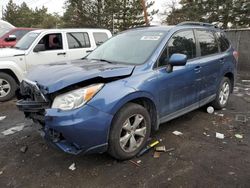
{"x": 199, "y": 159}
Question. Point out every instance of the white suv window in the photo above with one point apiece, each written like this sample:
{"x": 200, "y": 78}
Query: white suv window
{"x": 78, "y": 40}
{"x": 100, "y": 37}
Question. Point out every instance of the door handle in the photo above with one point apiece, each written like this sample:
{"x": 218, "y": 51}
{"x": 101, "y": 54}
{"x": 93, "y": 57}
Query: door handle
{"x": 197, "y": 68}
{"x": 88, "y": 51}
{"x": 222, "y": 60}
{"x": 62, "y": 53}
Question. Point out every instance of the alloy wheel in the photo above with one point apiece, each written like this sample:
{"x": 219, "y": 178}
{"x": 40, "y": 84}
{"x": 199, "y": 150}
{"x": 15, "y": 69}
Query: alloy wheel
{"x": 4, "y": 87}
{"x": 224, "y": 93}
{"x": 133, "y": 133}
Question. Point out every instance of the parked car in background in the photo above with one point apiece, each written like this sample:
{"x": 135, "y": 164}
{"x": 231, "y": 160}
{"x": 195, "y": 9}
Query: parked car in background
{"x": 12, "y": 36}
{"x": 112, "y": 99}
{"x": 43, "y": 47}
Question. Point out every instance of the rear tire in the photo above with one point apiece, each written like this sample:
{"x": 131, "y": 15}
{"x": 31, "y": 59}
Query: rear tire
{"x": 8, "y": 87}
{"x": 129, "y": 132}
{"x": 223, "y": 94}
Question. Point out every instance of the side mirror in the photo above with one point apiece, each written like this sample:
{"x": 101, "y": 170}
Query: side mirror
{"x": 39, "y": 48}
{"x": 10, "y": 38}
{"x": 176, "y": 60}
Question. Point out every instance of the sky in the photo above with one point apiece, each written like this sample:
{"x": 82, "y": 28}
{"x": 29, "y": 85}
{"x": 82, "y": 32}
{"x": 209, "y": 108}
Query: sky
{"x": 57, "y": 5}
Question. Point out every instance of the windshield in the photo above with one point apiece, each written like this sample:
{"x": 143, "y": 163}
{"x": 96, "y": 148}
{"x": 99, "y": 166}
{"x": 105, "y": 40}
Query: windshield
{"x": 26, "y": 41}
{"x": 133, "y": 47}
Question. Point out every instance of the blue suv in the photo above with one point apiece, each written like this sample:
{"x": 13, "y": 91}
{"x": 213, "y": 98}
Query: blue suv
{"x": 115, "y": 97}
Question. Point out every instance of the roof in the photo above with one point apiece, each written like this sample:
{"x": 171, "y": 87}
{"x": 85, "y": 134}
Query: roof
{"x": 69, "y": 30}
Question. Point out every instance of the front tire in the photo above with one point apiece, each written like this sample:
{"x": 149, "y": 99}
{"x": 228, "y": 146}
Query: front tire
{"x": 8, "y": 87}
{"x": 129, "y": 132}
{"x": 223, "y": 94}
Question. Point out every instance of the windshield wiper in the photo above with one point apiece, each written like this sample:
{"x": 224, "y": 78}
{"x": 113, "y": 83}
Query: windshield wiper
{"x": 104, "y": 60}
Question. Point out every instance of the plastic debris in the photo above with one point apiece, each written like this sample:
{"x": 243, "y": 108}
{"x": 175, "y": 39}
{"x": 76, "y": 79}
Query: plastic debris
{"x": 13, "y": 130}
{"x": 157, "y": 154}
{"x": 238, "y": 136}
{"x": 177, "y": 133}
{"x": 241, "y": 118}
{"x": 72, "y": 167}
{"x": 2, "y": 118}
{"x": 1, "y": 172}
{"x": 138, "y": 162}
{"x": 24, "y": 149}
{"x": 220, "y": 135}
{"x": 206, "y": 134}
{"x": 160, "y": 149}
{"x": 135, "y": 163}
{"x": 210, "y": 110}
{"x": 170, "y": 149}
{"x": 231, "y": 173}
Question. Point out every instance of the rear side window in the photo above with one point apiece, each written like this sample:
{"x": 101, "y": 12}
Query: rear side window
{"x": 78, "y": 40}
{"x": 100, "y": 37}
{"x": 223, "y": 41}
{"x": 182, "y": 42}
{"x": 208, "y": 43}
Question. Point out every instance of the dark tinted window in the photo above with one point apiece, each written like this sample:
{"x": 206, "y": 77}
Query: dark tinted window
{"x": 223, "y": 42}
{"x": 208, "y": 43}
{"x": 182, "y": 42}
{"x": 20, "y": 33}
{"x": 78, "y": 40}
{"x": 100, "y": 37}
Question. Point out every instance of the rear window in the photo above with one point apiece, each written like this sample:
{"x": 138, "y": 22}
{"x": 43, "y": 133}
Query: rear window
{"x": 223, "y": 41}
{"x": 100, "y": 37}
{"x": 78, "y": 40}
{"x": 208, "y": 43}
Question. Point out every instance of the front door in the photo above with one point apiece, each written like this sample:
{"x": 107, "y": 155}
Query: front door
{"x": 52, "y": 50}
{"x": 178, "y": 89}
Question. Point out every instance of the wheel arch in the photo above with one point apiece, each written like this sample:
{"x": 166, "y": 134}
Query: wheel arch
{"x": 144, "y": 99}
{"x": 230, "y": 76}
{"x": 11, "y": 73}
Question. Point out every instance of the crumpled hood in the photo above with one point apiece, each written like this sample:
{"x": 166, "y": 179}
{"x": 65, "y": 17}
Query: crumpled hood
{"x": 10, "y": 52}
{"x": 54, "y": 77}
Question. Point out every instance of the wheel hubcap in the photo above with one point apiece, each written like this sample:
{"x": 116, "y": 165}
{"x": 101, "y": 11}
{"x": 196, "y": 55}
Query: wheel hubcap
{"x": 4, "y": 87}
{"x": 133, "y": 133}
{"x": 224, "y": 93}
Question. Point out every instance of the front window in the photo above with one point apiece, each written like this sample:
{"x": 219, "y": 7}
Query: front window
{"x": 26, "y": 41}
{"x": 133, "y": 47}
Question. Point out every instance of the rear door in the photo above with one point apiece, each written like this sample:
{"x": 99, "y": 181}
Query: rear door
{"x": 79, "y": 44}
{"x": 210, "y": 64}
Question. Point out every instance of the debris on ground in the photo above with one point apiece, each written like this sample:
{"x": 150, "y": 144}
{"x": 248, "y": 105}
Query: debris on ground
{"x": 2, "y": 118}
{"x": 170, "y": 149}
{"x": 147, "y": 148}
{"x": 24, "y": 149}
{"x": 206, "y": 134}
{"x": 245, "y": 80}
{"x": 160, "y": 149}
{"x": 72, "y": 167}
{"x": 231, "y": 173}
{"x": 241, "y": 118}
{"x": 177, "y": 133}
{"x": 220, "y": 135}
{"x": 210, "y": 110}
{"x": 157, "y": 154}
{"x": 13, "y": 130}
{"x": 238, "y": 136}
{"x": 138, "y": 162}
{"x": 1, "y": 172}
{"x": 135, "y": 163}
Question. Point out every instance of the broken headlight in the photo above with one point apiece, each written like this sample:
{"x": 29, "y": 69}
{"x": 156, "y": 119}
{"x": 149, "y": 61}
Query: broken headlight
{"x": 76, "y": 98}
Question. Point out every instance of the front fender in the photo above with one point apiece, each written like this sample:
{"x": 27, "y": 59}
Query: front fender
{"x": 10, "y": 65}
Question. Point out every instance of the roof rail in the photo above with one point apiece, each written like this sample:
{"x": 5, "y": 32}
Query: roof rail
{"x": 196, "y": 23}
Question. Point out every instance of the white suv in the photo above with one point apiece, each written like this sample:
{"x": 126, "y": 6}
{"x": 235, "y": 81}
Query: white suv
{"x": 44, "y": 47}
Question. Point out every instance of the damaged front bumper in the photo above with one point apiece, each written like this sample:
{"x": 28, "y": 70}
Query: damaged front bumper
{"x": 82, "y": 130}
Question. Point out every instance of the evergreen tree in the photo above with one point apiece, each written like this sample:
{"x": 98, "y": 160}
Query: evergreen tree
{"x": 222, "y": 12}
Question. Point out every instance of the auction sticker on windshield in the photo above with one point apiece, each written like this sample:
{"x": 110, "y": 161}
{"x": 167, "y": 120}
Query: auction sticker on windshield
{"x": 150, "y": 37}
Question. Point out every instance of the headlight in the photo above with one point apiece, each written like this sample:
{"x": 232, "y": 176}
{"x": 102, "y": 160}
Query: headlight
{"x": 76, "y": 98}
